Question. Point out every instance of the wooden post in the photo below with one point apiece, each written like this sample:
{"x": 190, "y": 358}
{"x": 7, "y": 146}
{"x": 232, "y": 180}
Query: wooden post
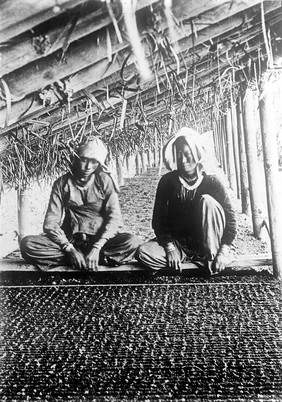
{"x": 245, "y": 199}
{"x": 143, "y": 161}
{"x": 156, "y": 150}
{"x": 216, "y": 143}
{"x": 161, "y": 156}
{"x": 22, "y": 213}
{"x": 249, "y": 114}
{"x": 131, "y": 165}
{"x": 120, "y": 177}
{"x": 126, "y": 167}
{"x": 223, "y": 143}
{"x": 235, "y": 144}
{"x": 137, "y": 163}
{"x": 230, "y": 152}
{"x": 271, "y": 169}
{"x": 220, "y": 152}
{"x": 149, "y": 158}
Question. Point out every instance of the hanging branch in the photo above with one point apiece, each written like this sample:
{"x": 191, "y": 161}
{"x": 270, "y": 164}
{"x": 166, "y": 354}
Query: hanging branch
{"x": 131, "y": 25}
{"x": 266, "y": 42}
{"x": 114, "y": 21}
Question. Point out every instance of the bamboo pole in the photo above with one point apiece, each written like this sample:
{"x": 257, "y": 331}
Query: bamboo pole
{"x": 271, "y": 169}
{"x": 156, "y": 150}
{"x": 22, "y": 198}
{"x": 224, "y": 144}
{"x": 149, "y": 158}
{"x": 137, "y": 163}
{"x": 215, "y": 141}
{"x": 225, "y": 139}
{"x": 235, "y": 144}
{"x": 245, "y": 199}
{"x": 143, "y": 161}
{"x": 131, "y": 166}
{"x": 127, "y": 166}
{"x": 161, "y": 156}
{"x": 221, "y": 150}
{"x": 120, "y": 177}
{"x": 219, "y": 154}
{"x": 230, "y": 152}
{"x": 249, "y": 114}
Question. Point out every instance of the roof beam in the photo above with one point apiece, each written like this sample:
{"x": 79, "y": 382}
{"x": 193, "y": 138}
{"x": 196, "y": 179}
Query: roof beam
{"x": 84, "y": 77}
{"x": 205, "y": 72}
{"x": 96, "y": 72}
{"x": 18, "y": 16}
{"x": 80, "y": 55}
{"x": 23, "y": 52}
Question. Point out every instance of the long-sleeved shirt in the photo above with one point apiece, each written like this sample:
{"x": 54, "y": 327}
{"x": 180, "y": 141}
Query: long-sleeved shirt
{"x": 175, "y": 215}
{"x": 91, "y": 208}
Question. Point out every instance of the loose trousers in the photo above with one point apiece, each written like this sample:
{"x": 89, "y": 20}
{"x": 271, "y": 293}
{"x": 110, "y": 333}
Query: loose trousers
{"x": 211, "y": 223}
{"x": 40, "y": 250}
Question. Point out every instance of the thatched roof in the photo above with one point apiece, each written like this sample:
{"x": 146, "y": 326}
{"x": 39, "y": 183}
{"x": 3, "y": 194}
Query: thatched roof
{"x": 69, "y": 66}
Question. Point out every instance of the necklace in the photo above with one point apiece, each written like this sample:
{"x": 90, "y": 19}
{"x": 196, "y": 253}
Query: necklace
{"x": 191, "y": 179}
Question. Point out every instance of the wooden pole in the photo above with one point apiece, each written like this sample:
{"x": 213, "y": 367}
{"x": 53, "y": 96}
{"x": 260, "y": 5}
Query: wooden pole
{"x": 156, "y": 150}
{"x": 128, "y": 167}
{"x": 220, "y": 144}
{"x": 223, "y": 144}
{"x": 143, "y": 161}
{"x": 230, "y": 152}
{"x": 120, "y": 177}
{"x": 215, "y": 140}
{"x": 137, "y": 162}
{"x": 235, "y": 144}
{"x": 22, "y": 213}
{"x": 245, "y": 199}
{"x": 249, "y": 115}
{"x": 218, "y": 135}
{"x": 271, "y": 169}
{"x": 149, "y": 158}
{"x": 161, "y": 156}
{"x": 131, "y": 166}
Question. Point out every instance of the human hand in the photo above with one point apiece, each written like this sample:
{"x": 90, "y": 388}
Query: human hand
{"x": 76, "y": 258}
{"x": 223, "y": 258}
{"x": 92, "y": 259}
{"x": 173, "y": 260}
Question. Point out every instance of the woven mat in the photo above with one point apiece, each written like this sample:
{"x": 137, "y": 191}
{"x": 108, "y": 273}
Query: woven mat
{"x": 176, "y": 340}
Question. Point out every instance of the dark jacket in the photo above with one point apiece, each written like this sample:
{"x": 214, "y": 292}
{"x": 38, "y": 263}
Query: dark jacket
{"x": 176, "y": 210}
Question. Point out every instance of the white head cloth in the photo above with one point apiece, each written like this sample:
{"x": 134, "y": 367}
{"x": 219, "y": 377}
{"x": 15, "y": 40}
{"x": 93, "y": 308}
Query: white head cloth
{"x": 193, "y": 140}
{"x": 94, "y": 148}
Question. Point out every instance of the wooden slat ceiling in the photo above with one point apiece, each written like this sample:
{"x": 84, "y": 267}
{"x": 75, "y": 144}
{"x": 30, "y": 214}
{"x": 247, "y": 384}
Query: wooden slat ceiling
{"x": 64, "y": 60}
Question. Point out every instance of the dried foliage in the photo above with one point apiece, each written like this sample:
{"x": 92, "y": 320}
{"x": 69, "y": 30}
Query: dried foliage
{"x": 130, "y": 115}
{"x": 30, "y": 156}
